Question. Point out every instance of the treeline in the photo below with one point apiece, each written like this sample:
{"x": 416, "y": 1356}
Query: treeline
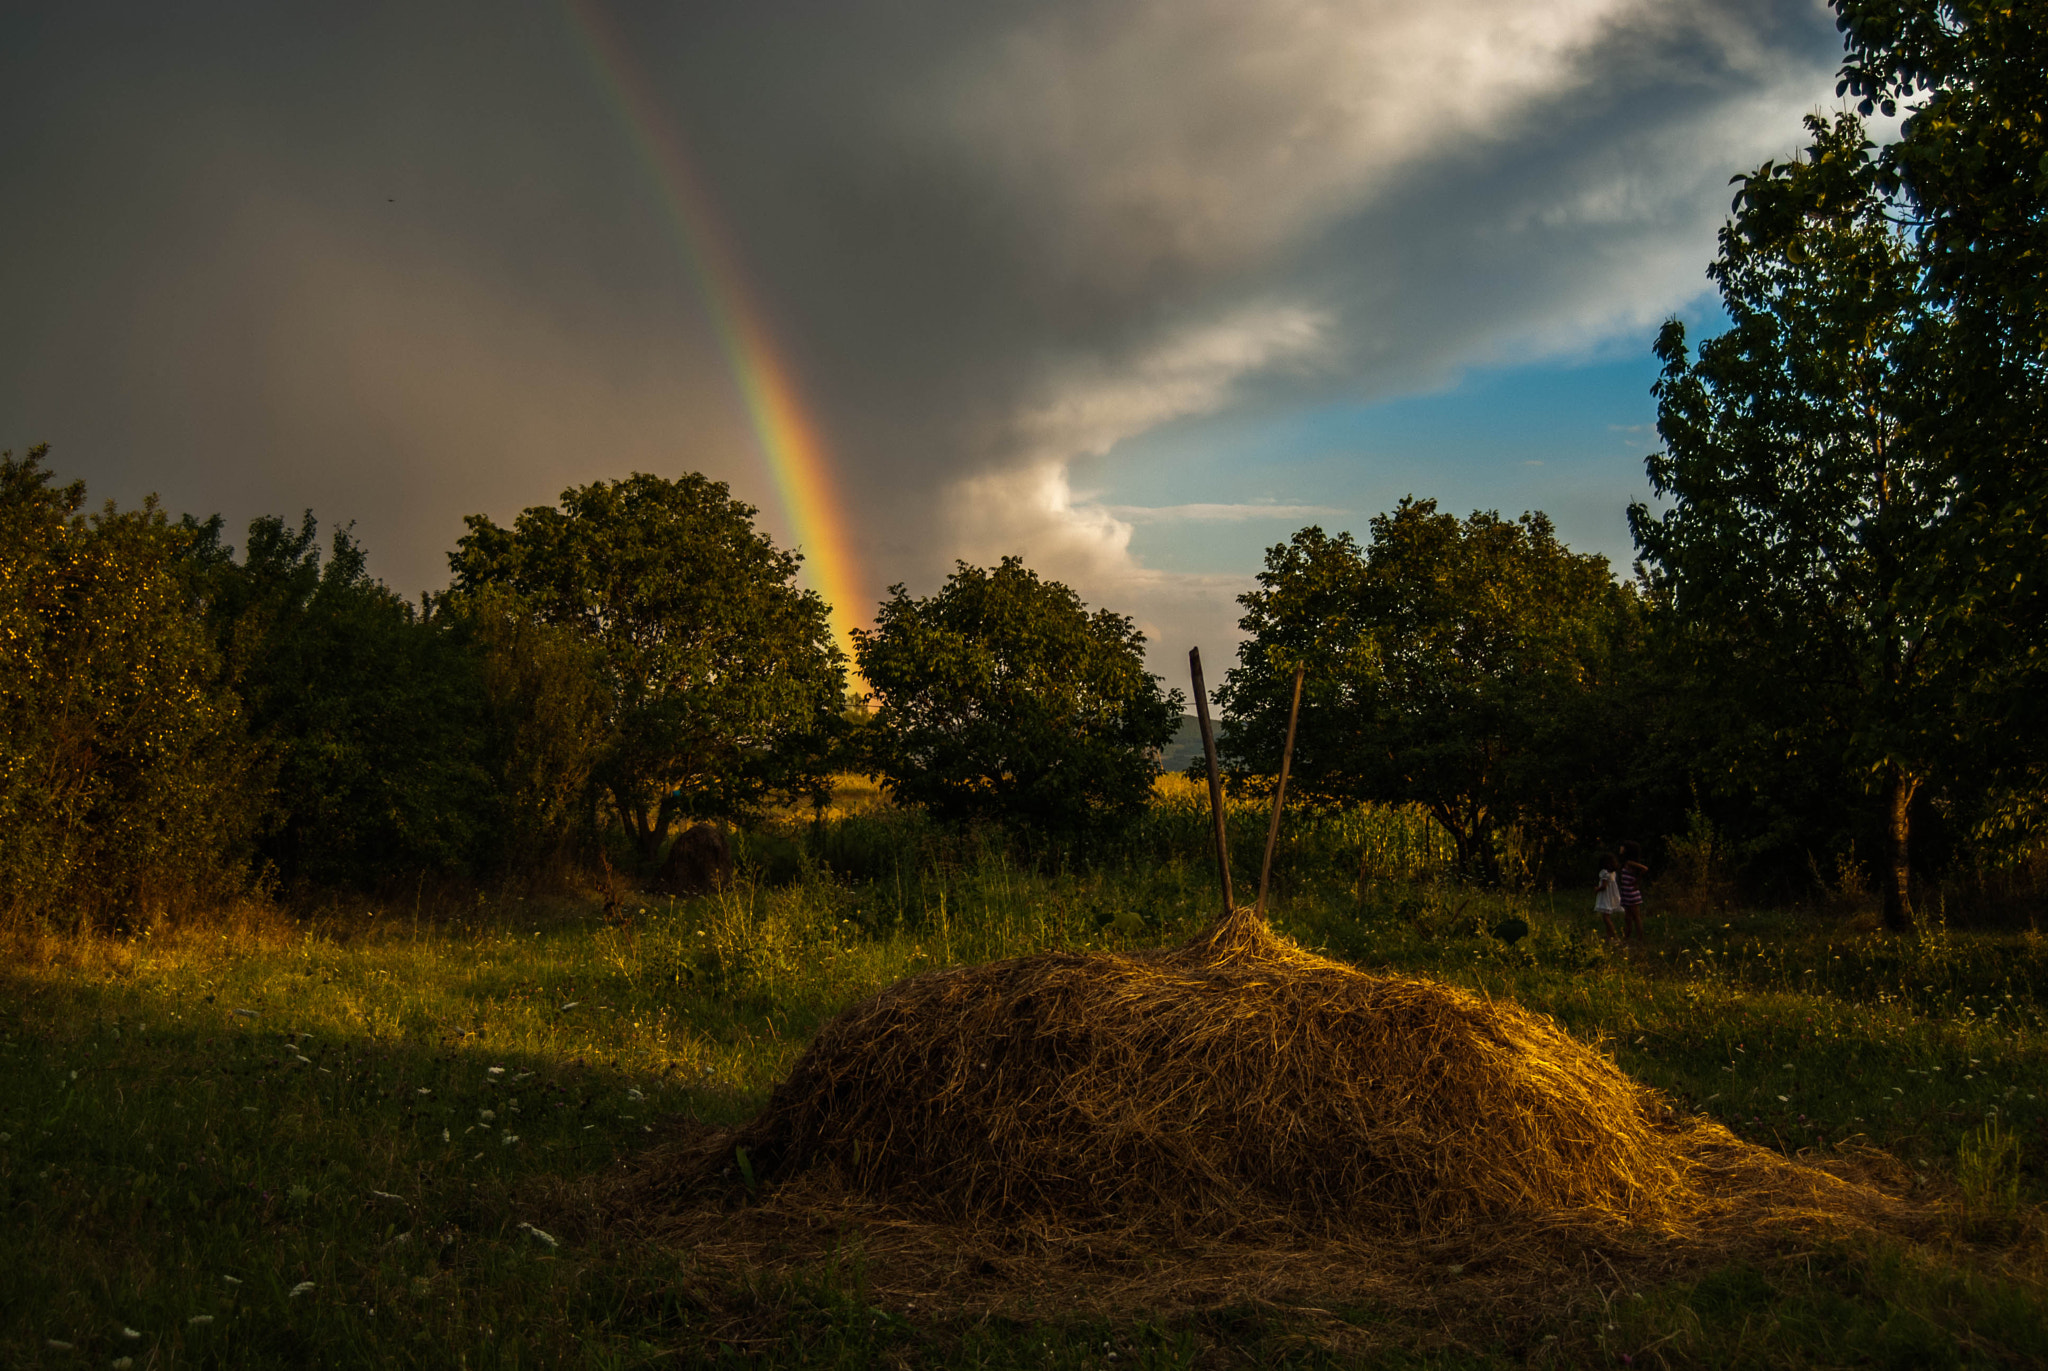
{"x": 1835, "y": 655}
{"x": 181, "y": 721}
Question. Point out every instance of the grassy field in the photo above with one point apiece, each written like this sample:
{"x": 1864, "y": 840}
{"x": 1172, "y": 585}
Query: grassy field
{"x": 376, "y": 1136}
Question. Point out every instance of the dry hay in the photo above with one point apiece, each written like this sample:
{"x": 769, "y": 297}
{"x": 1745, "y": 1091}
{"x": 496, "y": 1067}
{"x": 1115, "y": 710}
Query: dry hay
{"x": 1234, "y": 1090}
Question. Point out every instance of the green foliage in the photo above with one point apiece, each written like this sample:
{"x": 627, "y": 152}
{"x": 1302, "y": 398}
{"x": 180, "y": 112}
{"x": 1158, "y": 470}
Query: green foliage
{"x": 1003, "y": 699}
{"x": 1471, "y": 667}
{"x": 544, "y": 706}
{"x": 366, "y": 711}
{"x": 123, "y": 771}
{"x": 1969, "y": 172}
{"x": 723, "y": 683}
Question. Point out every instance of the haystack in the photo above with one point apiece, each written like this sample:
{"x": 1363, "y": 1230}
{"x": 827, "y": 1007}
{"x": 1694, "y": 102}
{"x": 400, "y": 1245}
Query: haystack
{"x": 1235, "y": 1081}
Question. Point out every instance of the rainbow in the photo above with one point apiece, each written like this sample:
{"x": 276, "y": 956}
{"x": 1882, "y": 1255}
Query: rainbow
{"x": 791, "y": 444}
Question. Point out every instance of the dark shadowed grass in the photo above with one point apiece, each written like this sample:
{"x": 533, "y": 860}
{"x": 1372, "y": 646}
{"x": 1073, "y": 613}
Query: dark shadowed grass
{"x": 404, "y": 1122}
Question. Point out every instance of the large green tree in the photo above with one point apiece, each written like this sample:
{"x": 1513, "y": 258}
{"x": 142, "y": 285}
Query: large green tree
{"x": 1454, "y": 664}
{"x": 1969, "y": 172}
{"x": 1001, "y": 697}
{"x": 724, "y": 682}
{"x": 1805, "y": 533}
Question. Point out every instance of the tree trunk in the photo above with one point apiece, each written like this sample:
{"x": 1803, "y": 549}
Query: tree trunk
{"x": 645, "y": 833}
{"x": 1898, "y": 871}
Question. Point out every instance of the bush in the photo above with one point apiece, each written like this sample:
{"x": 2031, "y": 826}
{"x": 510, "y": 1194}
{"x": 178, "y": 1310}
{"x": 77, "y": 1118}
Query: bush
{"x": 124, "y": 767}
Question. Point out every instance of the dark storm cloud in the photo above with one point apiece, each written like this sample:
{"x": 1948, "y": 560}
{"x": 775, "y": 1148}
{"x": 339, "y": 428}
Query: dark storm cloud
{"x": 403, "y": 264}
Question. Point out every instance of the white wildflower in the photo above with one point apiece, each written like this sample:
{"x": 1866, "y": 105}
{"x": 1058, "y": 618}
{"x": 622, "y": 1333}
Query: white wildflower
{"x": 494, "y": 1071}
{"x": 487, "y": 1114}
{"x": 547, "y": 1238}
{"x": 301, "y": 1288}
{"x": 445, "y": 1137}
{"x": 508, "y": 1138}
{"x": 422, "y": 1091}
{"x": 130, "y": 1334}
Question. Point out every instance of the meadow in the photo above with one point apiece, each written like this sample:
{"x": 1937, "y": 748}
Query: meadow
{"x": 385, "y": 1134}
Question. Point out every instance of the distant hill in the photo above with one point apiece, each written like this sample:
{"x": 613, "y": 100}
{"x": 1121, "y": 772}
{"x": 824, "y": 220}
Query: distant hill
{"x": 1186, "y": 745}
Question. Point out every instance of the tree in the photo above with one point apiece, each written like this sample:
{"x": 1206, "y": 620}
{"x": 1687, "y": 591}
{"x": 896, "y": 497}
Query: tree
{"x": 365, "y": 709}
{"x": 545, "y": 713}
{"x": 724, "y": 685}
{"x": 123, "y": 765}
{"x": 1969, "y": 173}
{"x": 1804, "y": 539}
{"x": 1002, "y": 697}
{"x": 1450, "y": 664}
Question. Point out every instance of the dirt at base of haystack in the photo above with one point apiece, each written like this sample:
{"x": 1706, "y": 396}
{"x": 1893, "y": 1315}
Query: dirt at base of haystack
{"x": 1492, "y": 1281}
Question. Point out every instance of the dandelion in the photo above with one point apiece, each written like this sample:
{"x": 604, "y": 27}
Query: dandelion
{"x": 301, "y": 1288}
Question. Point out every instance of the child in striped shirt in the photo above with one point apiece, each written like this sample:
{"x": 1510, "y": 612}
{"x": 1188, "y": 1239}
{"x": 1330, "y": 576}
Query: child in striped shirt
{"x": 1630, "y": 879}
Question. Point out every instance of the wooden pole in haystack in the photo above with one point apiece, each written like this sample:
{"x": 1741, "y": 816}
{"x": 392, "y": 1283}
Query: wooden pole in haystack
{"x": 1215, "y": 779}
{"x": 1280, "y": 790}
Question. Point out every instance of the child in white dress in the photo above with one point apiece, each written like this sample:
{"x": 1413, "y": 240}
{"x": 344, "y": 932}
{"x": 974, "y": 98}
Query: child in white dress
{"x": 1607, "y": 894}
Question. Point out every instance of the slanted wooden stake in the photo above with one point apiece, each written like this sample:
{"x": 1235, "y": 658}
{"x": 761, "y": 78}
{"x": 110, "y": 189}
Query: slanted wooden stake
{"x": 1215, "y": 779}
{"x": 1280, "y": 790}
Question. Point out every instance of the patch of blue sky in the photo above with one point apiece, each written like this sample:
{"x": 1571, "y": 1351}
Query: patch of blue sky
{"x": 1565, "y": 437}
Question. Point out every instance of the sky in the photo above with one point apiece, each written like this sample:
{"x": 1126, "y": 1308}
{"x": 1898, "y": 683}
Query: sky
{"x": 1132, "y": 290}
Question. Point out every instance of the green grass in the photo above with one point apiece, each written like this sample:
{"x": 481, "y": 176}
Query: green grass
{"x": 380, "y": 1111}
